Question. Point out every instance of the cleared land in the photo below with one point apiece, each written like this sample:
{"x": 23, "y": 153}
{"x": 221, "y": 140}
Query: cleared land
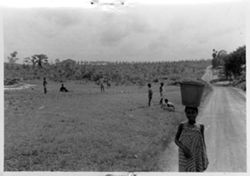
{"x": 86, "y": 130}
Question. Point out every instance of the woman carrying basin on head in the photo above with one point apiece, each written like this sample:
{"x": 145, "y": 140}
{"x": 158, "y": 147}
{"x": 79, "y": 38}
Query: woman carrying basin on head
{"x": 190, "y": 135}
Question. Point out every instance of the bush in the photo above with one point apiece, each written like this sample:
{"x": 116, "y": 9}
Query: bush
{"x": 9, "y": 82}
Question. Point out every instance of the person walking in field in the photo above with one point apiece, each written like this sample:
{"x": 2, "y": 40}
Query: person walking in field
{"x": 45, "y": 85}
{"x": 108, "y": 84}
{"x": 161, "y": 93}
{"x": 191, "y": 142}
{"x": 150, "y": 94}
{"x": 102, "y": 85}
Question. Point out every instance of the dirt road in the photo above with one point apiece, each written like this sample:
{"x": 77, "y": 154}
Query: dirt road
{"x": 224, "y": 116}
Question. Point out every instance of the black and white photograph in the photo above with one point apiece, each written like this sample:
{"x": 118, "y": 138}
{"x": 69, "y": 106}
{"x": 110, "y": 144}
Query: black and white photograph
{"x": 124, "y": 87}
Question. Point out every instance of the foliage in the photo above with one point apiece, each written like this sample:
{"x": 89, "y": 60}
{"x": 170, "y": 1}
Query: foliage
{"x": 11, "y": 81}
{"x": 12, "y": 58}
{"x": 218, "y": 58}
{"x": 118, "y": 72}
{"x": 37, "y": 66}
{"x": 38, "y": 60}
{"x": 235, "y": 61}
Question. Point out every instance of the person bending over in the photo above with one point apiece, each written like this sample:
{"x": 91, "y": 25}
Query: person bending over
{"x": 63, "y": 89}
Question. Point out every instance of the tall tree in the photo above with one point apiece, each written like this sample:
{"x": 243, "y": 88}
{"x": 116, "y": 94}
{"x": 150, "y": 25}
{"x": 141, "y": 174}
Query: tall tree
{"x": 218, "y": 58}
{"x": 13, "y": 57}
{"x": 40, "y": 60}
{"x": 234, "y": 61}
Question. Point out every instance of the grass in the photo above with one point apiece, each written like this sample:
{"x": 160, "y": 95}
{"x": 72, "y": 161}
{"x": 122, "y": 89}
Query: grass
{"x": 86, "y": 130}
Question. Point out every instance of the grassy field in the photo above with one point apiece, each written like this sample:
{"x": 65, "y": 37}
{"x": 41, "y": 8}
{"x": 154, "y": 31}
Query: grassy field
{"x": 86, "y": 130}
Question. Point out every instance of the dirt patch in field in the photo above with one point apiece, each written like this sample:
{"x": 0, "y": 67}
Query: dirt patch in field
{"x": 19, "y": 86}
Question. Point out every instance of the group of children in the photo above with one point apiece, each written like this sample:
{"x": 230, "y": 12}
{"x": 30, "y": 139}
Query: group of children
{"x": 164, "y": 102}
{"x": 62, "y": 88}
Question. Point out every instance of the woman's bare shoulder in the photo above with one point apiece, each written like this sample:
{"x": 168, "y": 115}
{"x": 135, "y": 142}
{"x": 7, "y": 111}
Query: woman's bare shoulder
{"x": 183, "y": 124}
{"x": 200, "y": 125}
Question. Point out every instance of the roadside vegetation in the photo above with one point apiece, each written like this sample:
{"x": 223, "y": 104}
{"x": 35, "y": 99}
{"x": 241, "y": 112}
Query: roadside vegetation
{"x": 231, "y": 66}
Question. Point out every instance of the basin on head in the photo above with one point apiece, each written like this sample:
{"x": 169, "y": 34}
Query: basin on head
{"x": 191, "y": 93}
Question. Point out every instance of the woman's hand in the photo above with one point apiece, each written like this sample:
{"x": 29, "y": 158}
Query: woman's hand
{"x": 187, "y": 152}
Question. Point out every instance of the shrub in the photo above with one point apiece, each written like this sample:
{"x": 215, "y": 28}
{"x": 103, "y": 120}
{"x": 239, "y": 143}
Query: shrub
{"x": 11, "y": 81}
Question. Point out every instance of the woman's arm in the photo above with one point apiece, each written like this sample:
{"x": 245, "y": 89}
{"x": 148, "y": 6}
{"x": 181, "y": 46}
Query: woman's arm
{"x": 178, "y": 134}
{"x": 186, "y": 151}
{"x": 202, "y": 133}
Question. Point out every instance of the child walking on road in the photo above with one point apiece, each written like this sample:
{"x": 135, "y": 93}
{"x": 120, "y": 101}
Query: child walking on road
{"x": 190, "y": 140}
{"x": 150, "y": 94}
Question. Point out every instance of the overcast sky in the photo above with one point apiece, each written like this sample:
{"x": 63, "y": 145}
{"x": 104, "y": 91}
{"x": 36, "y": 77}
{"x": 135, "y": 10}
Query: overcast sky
{"x": 131, "y": 33}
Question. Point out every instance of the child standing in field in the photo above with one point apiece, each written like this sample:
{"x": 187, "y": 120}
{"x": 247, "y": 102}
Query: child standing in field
{"x": 150, "y": 94}
{"x": 161, "y": 93}
{"x": 102, "y": 85}
{"x": 44, "y": 85}
{"x": 190, "y": 140}
{"x": 108, "y": 84}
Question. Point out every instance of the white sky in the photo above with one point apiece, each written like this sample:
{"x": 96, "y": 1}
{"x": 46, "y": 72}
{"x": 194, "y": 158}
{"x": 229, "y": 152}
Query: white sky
{"x": 139, "y": 31}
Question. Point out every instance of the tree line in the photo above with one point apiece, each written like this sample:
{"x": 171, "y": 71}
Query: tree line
{"x": 37, "y": 67}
